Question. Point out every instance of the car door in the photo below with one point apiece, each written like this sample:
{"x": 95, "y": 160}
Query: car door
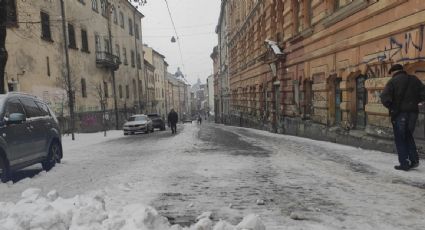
{"x": 17, "y": 136}
{"x": 36, "y": 122}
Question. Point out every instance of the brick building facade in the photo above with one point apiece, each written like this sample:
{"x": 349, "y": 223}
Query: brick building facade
{"x": 315, "y": 68}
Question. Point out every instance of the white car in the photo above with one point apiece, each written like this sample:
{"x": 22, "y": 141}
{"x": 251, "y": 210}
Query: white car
{"x": 138, "y": 123}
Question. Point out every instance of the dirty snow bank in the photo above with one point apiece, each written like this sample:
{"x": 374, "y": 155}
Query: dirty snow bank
{"x": 90, "y": 211}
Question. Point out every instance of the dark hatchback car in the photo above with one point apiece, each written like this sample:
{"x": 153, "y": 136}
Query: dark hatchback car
{"x": 29, "y": 134}
{"x": 158, "y": 122}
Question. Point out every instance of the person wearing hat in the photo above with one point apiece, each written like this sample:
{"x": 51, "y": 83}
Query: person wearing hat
{"x": 401, "y": 96}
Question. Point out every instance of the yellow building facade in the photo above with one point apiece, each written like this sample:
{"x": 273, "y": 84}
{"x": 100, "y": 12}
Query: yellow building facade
{"x": 103, "y": 37}
{"x": 316, "y": 68}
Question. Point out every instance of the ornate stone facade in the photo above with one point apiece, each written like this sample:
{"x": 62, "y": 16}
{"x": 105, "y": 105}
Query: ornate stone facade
{"x": 336, "y": 56}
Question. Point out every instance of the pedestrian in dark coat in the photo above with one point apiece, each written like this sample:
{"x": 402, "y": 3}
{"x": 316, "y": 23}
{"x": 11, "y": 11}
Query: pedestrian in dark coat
{"x": 173, "y": 118}
{"x": 199, "y": 119}
{"x": 401, "y": 96}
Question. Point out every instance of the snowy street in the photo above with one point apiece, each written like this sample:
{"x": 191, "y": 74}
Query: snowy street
{"x": 290, "y": 182}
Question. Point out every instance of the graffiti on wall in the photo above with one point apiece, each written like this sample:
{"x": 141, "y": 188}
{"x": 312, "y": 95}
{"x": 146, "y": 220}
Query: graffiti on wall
{"x": 396, "y": 50}
{"x": 401, "y": 48}
{"x": 88, "y": 120}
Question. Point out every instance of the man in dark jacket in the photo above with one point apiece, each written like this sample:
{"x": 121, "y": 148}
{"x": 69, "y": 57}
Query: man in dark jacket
{"x": 173, "y": 118}
{"x": 401, "y": 96}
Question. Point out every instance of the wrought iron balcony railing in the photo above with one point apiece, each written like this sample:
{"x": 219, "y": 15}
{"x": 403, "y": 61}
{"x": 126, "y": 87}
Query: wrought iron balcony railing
{"x": 107, "y": 60}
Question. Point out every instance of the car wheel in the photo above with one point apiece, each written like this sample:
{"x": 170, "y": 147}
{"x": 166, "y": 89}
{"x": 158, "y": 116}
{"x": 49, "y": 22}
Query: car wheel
{"x": 4, "y": 170}
{"x": 54, "y": 154}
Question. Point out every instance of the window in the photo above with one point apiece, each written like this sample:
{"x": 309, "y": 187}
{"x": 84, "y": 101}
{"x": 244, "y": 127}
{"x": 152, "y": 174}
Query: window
{"x": 71, "y": 37}
{"x": 83, "y": 88}
{"x": 106, "y": 45}
{"x": 84, "y": 41}
{"x": 118, "y": 51}
{"x": 114, "y": 11}
{"x": 45, "y": 27}
{"x": 132, "y": 59}
{"x": 43, "y": 108}
{"x": 124, "y": 54}
{"x": 121, "y": 19}
{"x": 82, "y": 2}
{"x": 136, "y": 31}
{"x": 94, "y": 5}
{"x": 105, "y": 89}
{"x": 340, "y": 4}
{"x": 120, "y": 91}
{"x": 14, "y": 106}
{"x": 31, "y": 109}
{"x": 97, "y": 43}
{"x": 11, "y": 18}
{"x": 127, "y": 91}
{"x": 139, "y": 61}
{"x": 103, "y": 8}
{"x": 48, "y": 66}
{"x": 130, "y": 26}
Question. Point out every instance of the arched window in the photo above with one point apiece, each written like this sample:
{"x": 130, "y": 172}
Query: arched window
{"x": 103, "y": 7}
{"x": 94, "y": 5}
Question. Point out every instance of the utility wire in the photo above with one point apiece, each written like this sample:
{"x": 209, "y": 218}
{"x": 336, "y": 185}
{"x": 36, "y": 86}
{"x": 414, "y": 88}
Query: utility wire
{"x": 175, "y": 31}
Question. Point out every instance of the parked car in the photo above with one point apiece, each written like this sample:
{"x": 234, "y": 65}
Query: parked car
{"x": 158, "y": 122}
{"x": 138, "y": 123}
{"x": 29, "y": 134}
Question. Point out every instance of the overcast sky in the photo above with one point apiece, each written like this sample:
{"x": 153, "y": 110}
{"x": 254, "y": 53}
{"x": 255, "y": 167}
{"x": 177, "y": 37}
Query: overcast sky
{"x": 195, "y": 21}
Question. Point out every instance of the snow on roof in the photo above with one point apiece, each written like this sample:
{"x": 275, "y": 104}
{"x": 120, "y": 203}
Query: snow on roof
{"x": 274, "y": 46}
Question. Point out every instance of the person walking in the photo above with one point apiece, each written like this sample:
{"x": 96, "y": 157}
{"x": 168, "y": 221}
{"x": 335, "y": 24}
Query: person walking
{"x": 199, "y": 119}
{"x": 401, "y": 96}
{"x": 173, "y": 118}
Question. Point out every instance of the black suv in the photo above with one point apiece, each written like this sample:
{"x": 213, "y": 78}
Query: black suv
{"x": 157, "y": 121}
{"x": 29, "y": 134}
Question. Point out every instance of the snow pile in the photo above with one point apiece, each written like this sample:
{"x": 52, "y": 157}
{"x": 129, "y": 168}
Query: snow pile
{"x": 87, "y": 212}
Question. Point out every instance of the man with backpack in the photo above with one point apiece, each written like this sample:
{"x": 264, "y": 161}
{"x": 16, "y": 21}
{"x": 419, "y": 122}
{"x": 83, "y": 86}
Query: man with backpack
{"x": 401, "y": 96}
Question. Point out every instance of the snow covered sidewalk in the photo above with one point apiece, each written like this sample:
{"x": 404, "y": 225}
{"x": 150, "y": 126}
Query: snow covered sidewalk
{"x": 89, "y": 212}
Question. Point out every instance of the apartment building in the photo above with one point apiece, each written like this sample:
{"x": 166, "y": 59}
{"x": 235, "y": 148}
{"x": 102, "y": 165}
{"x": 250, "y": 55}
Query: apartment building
{"x": 315, "y": 68}
{"x": 104, "y": 44}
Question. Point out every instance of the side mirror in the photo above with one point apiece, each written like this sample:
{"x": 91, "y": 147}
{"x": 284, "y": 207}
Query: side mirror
{"x": 16, "y": 118}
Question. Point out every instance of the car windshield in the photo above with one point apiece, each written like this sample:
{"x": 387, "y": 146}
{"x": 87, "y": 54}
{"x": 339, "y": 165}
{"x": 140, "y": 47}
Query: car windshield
{"x": 137, "y": 118}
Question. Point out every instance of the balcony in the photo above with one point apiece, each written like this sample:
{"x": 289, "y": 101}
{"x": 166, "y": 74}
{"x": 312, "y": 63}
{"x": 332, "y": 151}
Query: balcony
{"x": 107, "y": 60}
